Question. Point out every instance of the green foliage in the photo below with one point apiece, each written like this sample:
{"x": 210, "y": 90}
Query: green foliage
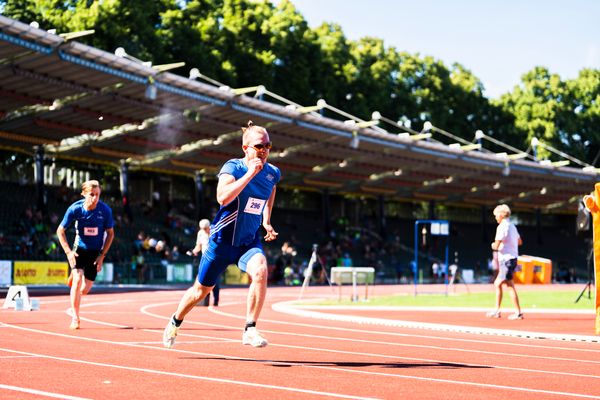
{"x": 250, "y": 42}
{"x": 560, "y": 113}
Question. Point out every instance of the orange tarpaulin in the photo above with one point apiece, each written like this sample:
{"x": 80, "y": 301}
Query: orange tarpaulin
{"x": 592, "y": 203}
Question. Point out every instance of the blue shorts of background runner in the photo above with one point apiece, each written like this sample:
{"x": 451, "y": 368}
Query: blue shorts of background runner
{"x": 218, "y": 256}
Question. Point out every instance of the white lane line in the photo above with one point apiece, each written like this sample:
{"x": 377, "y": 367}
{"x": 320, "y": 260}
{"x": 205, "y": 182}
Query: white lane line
{"x": 347, "y": 370}
{"x": 549, "y": 346}
{"x": 159, "y": 343}
{"x": 444, "y": 348}
{"x": 40, "y": 392}
{"x": 108, "y": 303}
{"x": 395, "y": 357}
{"x": 288, "y": 308}
{"x": 312, "y": 349}
{"x": 481, "y": 310}
{"x": 376, "y": 355}
{"x": 7, "y": 357}
{"x": 485, "y": 385}
{"x": 197, "y": 377}
{"x": 392, "y": 344}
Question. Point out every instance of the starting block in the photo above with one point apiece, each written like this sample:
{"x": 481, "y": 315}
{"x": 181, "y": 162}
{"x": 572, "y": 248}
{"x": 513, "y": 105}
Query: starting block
{"x": 18, "y": 298}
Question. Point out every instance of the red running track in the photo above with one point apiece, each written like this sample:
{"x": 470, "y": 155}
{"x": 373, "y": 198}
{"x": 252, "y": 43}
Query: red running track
{"x": 118, "y": 354}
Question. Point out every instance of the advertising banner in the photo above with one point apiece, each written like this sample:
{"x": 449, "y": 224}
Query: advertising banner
{"x": 179, "y": 272}
{"x": 40, "y": 273}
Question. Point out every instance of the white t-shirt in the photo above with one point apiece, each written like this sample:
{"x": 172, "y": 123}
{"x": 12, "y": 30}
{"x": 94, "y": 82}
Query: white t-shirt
{"x": 202, "y": 240}
{"x": 507, "y": 233}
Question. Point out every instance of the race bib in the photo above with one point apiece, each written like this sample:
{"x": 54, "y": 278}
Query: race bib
{"x": 90, "y": 231}
{"x": 254, "y": 206}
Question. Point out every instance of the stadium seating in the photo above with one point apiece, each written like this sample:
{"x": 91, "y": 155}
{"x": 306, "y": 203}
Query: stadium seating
{"x": 390, "y": 255}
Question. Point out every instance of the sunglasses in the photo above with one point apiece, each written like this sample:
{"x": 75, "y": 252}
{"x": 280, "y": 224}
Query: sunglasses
{"x": 261, "y": 146}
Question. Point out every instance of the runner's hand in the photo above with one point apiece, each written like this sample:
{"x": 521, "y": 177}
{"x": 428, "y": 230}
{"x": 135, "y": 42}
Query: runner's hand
{"x": 271, "y": 234}
{"x": 99, "y": 261}
{"x": 255, "y": 165}
{"x": 71, "y": 258}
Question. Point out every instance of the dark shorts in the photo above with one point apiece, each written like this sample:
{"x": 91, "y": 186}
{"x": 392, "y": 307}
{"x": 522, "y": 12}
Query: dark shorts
{"x": 85, "y": 261}
{"x": 507, "y": 269}
{"x": 218, "y": 257}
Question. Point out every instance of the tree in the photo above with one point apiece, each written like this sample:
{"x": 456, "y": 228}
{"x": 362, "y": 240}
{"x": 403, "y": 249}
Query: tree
{"x": 560, "y": 113}
{"x": 247, "y": 43}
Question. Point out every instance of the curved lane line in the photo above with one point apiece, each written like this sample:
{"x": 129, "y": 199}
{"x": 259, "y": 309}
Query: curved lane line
{"x": 287, "y": 307}
{"x": 320, "y": 367}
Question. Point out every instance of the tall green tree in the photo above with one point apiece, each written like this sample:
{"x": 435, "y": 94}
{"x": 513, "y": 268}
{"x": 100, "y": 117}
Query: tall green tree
{"x": 250, "y": 42}
{"x": 560, "y": 113}
{"x": 329, "y": 76}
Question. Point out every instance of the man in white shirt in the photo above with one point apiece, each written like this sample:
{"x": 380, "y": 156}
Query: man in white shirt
{"x": 506, "y": 243}
{"x": 201, "y": 246}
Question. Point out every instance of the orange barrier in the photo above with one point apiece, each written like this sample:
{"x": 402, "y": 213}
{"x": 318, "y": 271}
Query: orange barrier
{"x": 532, "y": 269}
{"x": 524, "y": 271}
{"x": 542, "y": 270}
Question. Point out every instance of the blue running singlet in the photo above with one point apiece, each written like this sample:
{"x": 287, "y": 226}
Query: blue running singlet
{"x": 90, "y": 225}
{"x": 237, "y": 223}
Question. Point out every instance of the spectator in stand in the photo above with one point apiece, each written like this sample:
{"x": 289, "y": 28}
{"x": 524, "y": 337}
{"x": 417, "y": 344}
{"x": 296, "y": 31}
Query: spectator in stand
{"x": 564, "y": 274}
{"x": 284, "y": 259}
{"x": 346, "y": 260}
{"x": 201, "y": 247}
{"x": 435, "y": 271}
{"x": 138, "y": 243}
{"x": 140, "y": 266}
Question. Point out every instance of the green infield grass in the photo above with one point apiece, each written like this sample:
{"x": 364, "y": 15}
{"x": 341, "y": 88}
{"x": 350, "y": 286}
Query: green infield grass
{"x": 528, "y": 299}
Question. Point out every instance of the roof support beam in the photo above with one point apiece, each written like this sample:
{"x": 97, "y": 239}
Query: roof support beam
{"x": 159, "y": 156}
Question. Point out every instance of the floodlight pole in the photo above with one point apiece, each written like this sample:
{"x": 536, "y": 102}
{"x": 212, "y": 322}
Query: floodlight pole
{"x": 39, "y": 178}
{"x": 124, "y": 186}
{"x": 199, "y": 195}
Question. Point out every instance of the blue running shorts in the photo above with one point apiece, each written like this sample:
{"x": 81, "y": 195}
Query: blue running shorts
{"x": 218, "y": 256}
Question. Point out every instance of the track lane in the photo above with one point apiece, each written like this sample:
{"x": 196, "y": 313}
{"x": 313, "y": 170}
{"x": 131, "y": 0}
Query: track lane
{"x": 351, "y": 364}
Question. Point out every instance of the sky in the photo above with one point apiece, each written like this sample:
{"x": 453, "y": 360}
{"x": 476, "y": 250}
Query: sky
{"x": 497, "y": 40}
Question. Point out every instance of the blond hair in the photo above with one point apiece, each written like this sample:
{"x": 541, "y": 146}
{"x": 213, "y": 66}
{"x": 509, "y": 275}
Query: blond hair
{"x": 503, "y": 210}
{"x": 248, "y": 129}
{"x": 87, "y": 186}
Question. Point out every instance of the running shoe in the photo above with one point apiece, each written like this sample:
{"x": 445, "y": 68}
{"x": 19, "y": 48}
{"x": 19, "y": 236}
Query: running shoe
{"x": 74, "y": 324}
{"x": 494, "y": 314}
{"x": 253, "y": 337}
{"x": 515, "y": 316}
{"x": 170, "y": 334}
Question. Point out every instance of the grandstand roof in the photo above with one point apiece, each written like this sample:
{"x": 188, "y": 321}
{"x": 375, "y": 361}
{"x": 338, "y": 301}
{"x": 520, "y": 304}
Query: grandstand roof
{"x": 83, "y": 103}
